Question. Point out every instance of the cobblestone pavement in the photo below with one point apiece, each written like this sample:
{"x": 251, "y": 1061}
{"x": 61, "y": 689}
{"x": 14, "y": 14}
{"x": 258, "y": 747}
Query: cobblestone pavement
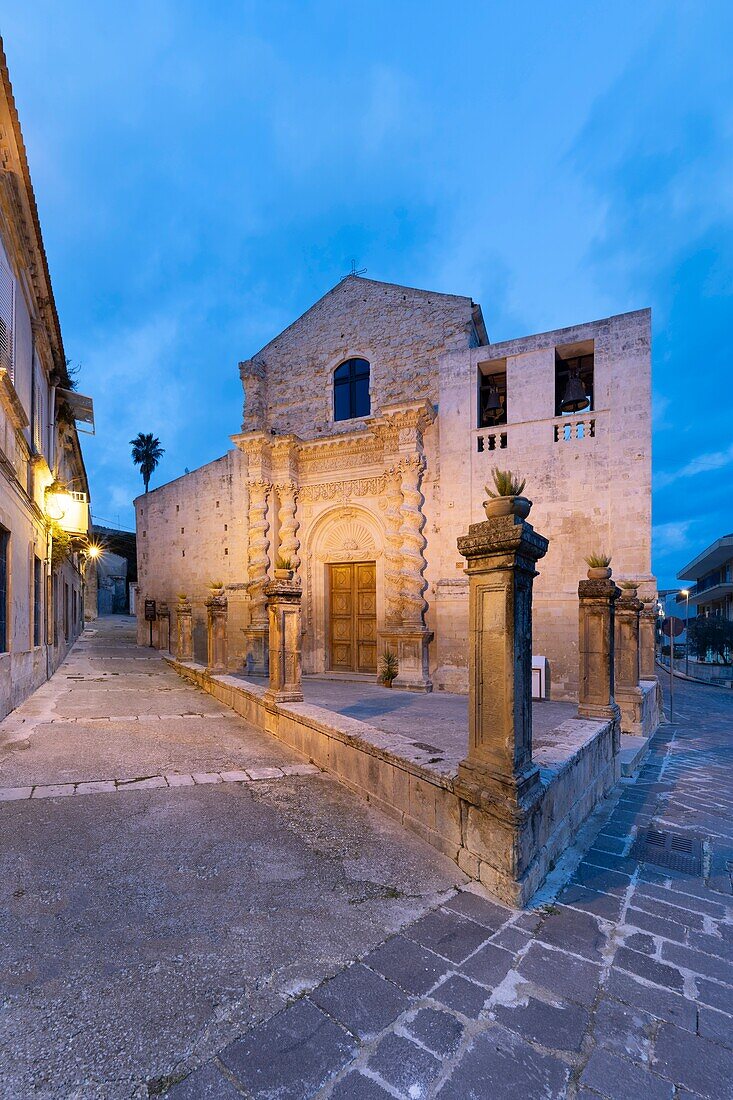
{"x": 275, "y": 938}
{"x": 622, "y": 986}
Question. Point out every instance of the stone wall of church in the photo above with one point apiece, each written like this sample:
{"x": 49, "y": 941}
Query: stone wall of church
{"x": 591, "y": 487}
{"x": 323, "y": 496}
{"x": 401, "y": 331}
{"x": 191, "y": 532}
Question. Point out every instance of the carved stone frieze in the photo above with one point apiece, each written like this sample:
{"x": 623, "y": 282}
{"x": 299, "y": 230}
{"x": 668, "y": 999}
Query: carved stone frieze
{"x": 344, "y": 490}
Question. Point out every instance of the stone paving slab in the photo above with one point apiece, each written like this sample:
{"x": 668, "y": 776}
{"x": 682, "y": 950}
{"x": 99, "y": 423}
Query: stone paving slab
{"x": 150, "y": 782}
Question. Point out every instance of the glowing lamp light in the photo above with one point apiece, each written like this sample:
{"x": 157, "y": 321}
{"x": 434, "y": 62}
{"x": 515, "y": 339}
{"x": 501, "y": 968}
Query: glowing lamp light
{"x": 94, "y": 551}
{"x": 58, "y": 500}
{"x": 684, "y": 592}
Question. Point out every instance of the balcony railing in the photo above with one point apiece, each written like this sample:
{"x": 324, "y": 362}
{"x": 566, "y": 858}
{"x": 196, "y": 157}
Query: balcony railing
{"x": 571, "y": 428}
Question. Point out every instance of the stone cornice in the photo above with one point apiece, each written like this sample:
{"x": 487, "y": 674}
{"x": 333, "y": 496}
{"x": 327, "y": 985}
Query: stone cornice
{"x": 11, "y": 401}
{"x": 598, "y": 590}
{"x": 502, "y": 535}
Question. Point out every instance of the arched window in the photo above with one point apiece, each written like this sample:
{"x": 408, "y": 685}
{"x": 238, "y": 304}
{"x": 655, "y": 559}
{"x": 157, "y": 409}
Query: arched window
{"x": 351, "y": 390}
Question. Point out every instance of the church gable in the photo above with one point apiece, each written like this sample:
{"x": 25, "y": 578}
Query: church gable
{"x": 399, "y": 331}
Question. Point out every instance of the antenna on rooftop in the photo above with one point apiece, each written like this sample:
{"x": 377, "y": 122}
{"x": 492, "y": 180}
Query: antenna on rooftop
{"x": 353, "y": 274}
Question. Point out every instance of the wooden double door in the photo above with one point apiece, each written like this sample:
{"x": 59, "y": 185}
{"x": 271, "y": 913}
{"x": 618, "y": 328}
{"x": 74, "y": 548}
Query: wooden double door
{"x": 352, "y": 612}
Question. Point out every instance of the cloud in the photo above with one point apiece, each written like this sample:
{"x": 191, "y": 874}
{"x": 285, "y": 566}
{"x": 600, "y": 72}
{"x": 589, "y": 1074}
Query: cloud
{"x": 703, "y": 464}
{"x": 671, "y": 536}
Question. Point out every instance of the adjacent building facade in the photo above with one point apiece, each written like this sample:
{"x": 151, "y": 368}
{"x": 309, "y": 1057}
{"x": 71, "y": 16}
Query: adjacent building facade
{"x": 371, "y": 427}
{"x": 712, "y": 574}
{"x": 44, "y": 494}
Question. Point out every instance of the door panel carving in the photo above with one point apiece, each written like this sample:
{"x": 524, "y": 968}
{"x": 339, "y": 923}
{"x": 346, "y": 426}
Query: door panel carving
{"x": 353, "y": 617}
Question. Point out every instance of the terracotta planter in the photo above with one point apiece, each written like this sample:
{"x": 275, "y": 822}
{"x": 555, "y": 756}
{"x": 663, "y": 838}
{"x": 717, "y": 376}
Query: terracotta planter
{"x": 284, "y": 574}
{"x": 498, "y": 507}
{"x": 599, "y": 573}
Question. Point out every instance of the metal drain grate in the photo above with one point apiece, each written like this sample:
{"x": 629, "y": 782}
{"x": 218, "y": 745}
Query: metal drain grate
{"x": 673, "y": 850}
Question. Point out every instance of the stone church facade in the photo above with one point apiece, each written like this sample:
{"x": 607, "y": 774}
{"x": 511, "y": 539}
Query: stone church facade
{"x": 371, "y": 426}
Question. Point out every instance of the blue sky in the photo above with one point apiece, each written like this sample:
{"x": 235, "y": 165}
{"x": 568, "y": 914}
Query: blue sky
{"x": 205, "y": 172}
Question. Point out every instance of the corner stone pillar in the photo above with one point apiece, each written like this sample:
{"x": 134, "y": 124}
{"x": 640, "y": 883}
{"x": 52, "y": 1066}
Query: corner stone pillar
{"x": 164, "y": 626}
{"x": 283, "y": 607}
{"x": 216, "y": 623}
{"x": 647, "y": 641}
{"x": 184, "y": 631}
{"x": 596, "y": 621}
{"x": 629, "y": 695}
{"x": 501, "y": 554}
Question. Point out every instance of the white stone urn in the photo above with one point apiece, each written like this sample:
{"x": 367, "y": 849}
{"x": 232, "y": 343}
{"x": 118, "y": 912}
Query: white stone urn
{"x": 497, "y": 507}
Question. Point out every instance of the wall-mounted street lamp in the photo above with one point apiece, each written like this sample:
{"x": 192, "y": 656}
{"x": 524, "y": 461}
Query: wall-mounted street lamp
{"x": 58, "y": 500}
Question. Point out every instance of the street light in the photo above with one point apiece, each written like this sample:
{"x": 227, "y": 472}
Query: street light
{"x": 686, "y": 593}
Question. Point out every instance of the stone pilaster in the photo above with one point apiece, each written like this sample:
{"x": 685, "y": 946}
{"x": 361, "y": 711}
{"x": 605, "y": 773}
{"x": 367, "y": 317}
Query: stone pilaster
{"x": 184, "y": 630}
{"x": 393, "y": 549}
{"x": 501, "y": 554}
{"x": 257, "y": 570}
{"x": 164, "y": 626}
{"x": 216, "y": 633}
{"x": 629, "y": 695}
{"x": 289, "y": 543}
{"x": 283, "y": 606}
{"x": 413, "y": 543}
{"x": 405, "y": 632}
{"x": 648, "y": 641}
{"x": 597, "y": 601}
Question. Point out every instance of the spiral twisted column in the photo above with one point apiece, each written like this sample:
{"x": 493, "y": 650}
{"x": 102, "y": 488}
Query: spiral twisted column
{"x": 289, "y": 543}
{"x": 413, "y": 542}
{"x": 393, "y": 548}
{"x": 258, "y": 561}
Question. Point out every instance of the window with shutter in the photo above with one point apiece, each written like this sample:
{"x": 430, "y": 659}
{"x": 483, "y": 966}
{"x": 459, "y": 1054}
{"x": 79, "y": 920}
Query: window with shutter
{"x": 7, "y": 317}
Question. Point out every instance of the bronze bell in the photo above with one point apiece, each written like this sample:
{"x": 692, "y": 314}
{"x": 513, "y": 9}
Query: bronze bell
{"x": 575, "y": 399}
{"x": 491, "y": 402}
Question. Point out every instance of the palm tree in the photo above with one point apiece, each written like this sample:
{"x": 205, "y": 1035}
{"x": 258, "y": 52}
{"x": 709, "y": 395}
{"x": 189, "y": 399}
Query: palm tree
{"x": 146, "y": 453}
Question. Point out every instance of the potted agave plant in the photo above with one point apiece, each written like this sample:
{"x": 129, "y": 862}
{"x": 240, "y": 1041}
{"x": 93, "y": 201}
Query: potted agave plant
{"x": 507, "y": 500}
{"x": 216, "y": 587}
{"x": 388, "y": 668}
{"x": 599, "y": 566}
{"x": 283, "y": 569}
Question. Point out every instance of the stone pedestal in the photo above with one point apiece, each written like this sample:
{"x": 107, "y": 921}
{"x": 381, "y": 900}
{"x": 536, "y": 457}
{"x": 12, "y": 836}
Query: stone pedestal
{"x": 410, "y": 646}
{"x": 498, "y": 771}
{"x": 164, "y": 626}
{"x": 216, "y": 633}
{"x": 629, "y": 695}
{"x": 184, "y": 631}
{"x": 596, "y": 699}
{"x": 256, "y": 650}
{"x": 283, "y": 609}
{"x": 647, "y": 641}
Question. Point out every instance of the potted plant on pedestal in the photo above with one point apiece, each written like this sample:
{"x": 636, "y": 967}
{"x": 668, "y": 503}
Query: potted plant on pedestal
{"x": 283, "y": 569}
{"x": 598, "y": 566}
{"x": 508, "y": 499}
